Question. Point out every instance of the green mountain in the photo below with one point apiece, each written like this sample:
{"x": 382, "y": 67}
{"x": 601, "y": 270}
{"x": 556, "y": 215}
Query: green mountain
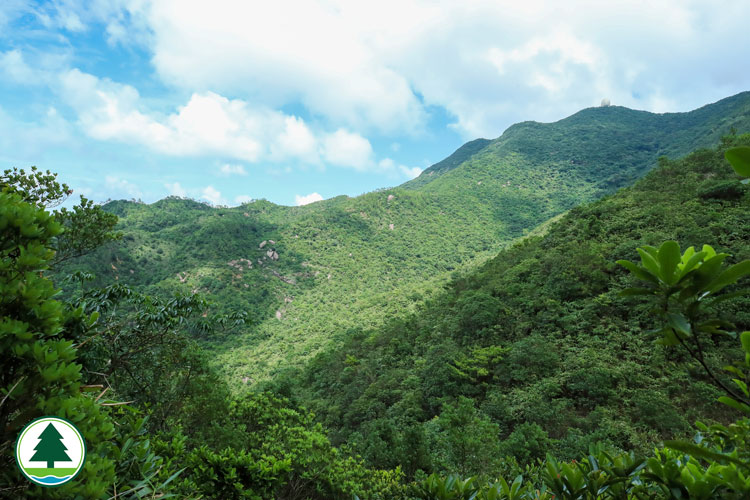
{"x": 536, "y": 351}
{"x": 307, "y": 275}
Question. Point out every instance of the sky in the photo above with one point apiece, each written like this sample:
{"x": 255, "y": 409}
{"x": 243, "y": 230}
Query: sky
{"x": 293, "y": 102}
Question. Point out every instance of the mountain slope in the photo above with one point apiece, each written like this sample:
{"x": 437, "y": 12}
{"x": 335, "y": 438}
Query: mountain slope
{"x": 539, "y": 340}
{"x": 349, "y": 263}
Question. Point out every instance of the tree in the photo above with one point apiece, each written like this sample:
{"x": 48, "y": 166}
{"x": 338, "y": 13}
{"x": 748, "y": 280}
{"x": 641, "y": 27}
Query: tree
{"x": 50, "y": 448}
{"x": 686, "y": 287}
{"x": 39, "y": 373}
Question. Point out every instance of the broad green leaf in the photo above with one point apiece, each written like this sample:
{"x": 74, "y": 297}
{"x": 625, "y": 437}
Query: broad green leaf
{"x": 691, "y": 263}
{"x": 745, "y": 340}
{"x": 669, "y": 257}
{"x": 668, "y": 338}
{"x": 679, "y": 323}
{"x": 686, "y": 256}
{"x": 649, "y": 262}
{"x": 730, "y": 276}
{"x": 709, "y": 251}
{"x": 739, "y": 158}
{"x": 734, "y": 404}
{"x": 639, "y": 272}
{"x": 710, "y": 270}
{"x": 700, "y": 452}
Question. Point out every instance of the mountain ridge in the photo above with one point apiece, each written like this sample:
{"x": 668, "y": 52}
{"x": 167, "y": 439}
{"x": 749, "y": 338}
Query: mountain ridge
{"x": 348, "y": 263}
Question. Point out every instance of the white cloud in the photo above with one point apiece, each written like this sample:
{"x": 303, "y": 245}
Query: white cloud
{"x": 242, "y": 199}
{"x": 212, "y": 195}
{"x": 175, "y": 189}
{"x": 29, "y": 140}
{"x": 118, "y": 187}
{"x": 13, "y": 66}
{"x": 209, "y": 124}
{"x": 321, "y": 54}
{"x": 488, "y": 63}
{"x": 297, "y": 141}
{"x": 347, "y": 149}
{"x": 227, "y": 170}
{"x": 361, "y": 68}
{"x": 307, "y": 199}
{"x": 410, "y": 172}
{"x": 389, "y": 166}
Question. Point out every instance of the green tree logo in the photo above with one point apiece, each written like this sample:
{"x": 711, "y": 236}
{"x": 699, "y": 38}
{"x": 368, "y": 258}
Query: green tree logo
{"x": 50, "y": 451}
{"x": 50, "y": 448}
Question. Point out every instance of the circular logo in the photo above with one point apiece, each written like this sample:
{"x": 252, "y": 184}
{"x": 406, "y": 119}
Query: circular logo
{"x": 50, "y": 451}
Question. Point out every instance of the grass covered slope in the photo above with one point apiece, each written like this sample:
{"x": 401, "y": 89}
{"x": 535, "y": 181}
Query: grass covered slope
{"x": 349, "y": 263}
{"x": 536, "y": 351}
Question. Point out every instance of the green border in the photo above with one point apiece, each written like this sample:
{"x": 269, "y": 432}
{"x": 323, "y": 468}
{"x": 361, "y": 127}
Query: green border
{"x": 80, "y": 437}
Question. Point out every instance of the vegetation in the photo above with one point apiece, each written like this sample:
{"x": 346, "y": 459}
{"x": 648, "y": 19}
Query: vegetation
{"x": 532, "y": 376}
{"x": 538, "y": 348}
{"x": 352, "y": 263}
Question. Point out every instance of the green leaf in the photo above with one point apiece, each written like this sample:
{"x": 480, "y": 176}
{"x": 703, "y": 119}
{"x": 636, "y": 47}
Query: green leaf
{"x": 739, "y": 158}
{"x": 638, "y": 271}
{"x": 700, "y": 452}
{"x": 730, "y": 276}
{"x": 669, "y": 257}
{"x": 668, "y": 338}
{"x": 679, "y": 323}
{"x": 734, "y": 404}
{"x": 649, "y": 262}
{"x": 691, "y": 263}
{"x": 745, "y": 340}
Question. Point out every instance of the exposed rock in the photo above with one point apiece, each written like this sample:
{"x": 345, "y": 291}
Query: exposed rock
{"x": 262, "y": 244}
{"x": 271, "y": 242}
{"x": 279, "y": 315}
{"x": 390, "y": 197}
{"x": 272, "y": 255}
{"x": 390, "y": 226}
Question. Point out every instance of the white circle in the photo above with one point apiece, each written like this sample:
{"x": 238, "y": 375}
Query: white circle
{"x": 67, "y": 455}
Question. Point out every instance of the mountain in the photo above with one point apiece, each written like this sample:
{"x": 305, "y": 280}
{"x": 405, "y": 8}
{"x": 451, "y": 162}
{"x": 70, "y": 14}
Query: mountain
{"x": 536, "y": 351}
{"x": 308, "y": 275}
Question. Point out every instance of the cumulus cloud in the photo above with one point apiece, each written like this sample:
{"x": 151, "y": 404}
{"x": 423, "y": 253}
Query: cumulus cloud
{"x": 242, "y": 199}
{"x": 208, "y": 124}
{"x": 348, "y": 149}
{"x": 213, "y": 195}
{"x": 389, "y": 166}
{"x": 487, "y": 63}
{"x": 227, "y": 170}
{"x": 307, "y": 199}
{"x": 117, "y": 186}
{"x": 410, "y": 172}
{"x": 175, "y": 189}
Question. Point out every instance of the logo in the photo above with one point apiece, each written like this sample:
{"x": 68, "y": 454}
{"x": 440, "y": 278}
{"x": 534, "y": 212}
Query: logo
{"x": 50, "y": 451}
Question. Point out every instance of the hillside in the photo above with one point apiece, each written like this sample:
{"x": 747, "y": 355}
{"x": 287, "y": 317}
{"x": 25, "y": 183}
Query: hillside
{"x": 536, "y": 347}
{"x": 307, "y": 275}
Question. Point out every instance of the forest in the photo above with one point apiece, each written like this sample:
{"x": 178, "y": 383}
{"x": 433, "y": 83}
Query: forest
{"x": 579, "y": 334}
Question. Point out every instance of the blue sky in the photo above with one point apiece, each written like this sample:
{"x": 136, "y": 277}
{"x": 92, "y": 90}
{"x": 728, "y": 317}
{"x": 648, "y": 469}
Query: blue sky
{"x": 228, "y": 101}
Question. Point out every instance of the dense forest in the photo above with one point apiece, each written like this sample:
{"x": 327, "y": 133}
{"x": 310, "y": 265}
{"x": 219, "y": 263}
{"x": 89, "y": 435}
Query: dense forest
{"x": 550, "y": 346}
{"x": 306, "y": 275}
